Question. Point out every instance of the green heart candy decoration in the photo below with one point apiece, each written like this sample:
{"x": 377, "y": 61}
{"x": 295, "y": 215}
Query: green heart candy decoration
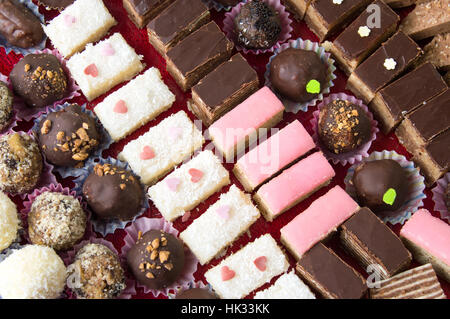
{"x": 313, "y": 87}
{"x": 389, "y": 196}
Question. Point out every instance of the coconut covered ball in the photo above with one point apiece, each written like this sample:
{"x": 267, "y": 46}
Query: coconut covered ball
{"x": 33, "y": 272}
{"x": 9, "y": 222}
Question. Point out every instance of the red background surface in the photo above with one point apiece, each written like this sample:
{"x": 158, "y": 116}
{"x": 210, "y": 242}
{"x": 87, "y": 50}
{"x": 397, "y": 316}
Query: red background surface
{"x": 138, "y": 40}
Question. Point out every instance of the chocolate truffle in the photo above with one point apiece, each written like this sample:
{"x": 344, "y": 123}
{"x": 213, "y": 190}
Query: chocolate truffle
{"x": 257, "y": 25}
{"x": 67, "y": 137}
{"x": 20, "y": 163}
{"x": 56, "y": 4}
{"x": 96, "y": 273}
{"x": 157, "y": 259}
{"x": 39, "y": 79}
{"x": 196, "y": 293}
{"x": 381, "y": 185}
{"x": 343, "y": 126}
{"x": 18, "y": 24}
{"x": 6, "y": 106}
{"x": 299, "y": 75}
{"x": 228, "y": 2}
{"x": 113, "y": 192}
{"x": 56, "y": 220}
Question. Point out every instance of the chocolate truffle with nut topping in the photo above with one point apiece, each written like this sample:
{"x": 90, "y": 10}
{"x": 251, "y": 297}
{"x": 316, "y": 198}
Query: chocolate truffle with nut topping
{"x": 67, "y": 137}
{"x": 96, "y": 273}
{"x": 157, "y": 259}
{"x": 39, "y": 80}
{"x": 20, "y": 163}
{"x": 56, "y": 220}
{"x": 113, "y": 192}
{"x": 6, "y": 106}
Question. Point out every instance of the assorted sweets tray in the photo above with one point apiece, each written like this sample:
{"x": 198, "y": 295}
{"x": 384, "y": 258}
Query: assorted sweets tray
{"x": 224, "y": 149}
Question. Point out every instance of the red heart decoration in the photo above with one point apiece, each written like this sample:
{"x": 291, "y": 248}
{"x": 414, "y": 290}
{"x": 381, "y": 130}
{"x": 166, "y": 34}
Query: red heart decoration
{"x": 91, "y": 70}
{"x": 147, "y": 153}
{"x": 260, "y": 263}
{"x": 120, "y": 107}
{"x": 227, "y": 273}
{"x": 196, "y": 175}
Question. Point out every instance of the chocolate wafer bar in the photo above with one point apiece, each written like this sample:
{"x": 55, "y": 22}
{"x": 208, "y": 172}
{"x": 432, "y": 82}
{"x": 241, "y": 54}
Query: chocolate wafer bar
{"x": 403, "y": 3}
{"x": 438, "y": 52}
{"x": 142, "y": 11}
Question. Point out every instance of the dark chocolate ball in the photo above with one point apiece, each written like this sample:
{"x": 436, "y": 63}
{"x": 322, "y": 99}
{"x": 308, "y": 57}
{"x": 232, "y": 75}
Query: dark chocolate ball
{"x": 157, "y": 259}
{"x": 39, "y": 79}
{"x": 196, "y": 293}
{"x": 113, "y": 192}
{"x": 6, "y": 106}
{"x": 343, "y": 126}
{"x": 67, "y": 137}
{"x": 228, "y": 2}
{"x": 257, "y": 25}
{"x": 56, "y": 4}
{"x": 381, "y": 185}
{"x": 20, "y": 163}
{"x": 299, "y": 75}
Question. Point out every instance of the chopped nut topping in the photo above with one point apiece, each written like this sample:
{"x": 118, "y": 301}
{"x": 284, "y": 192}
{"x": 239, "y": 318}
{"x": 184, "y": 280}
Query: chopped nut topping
{"x": 46, "y": 126}
{"x": 60, "y": 136}
{"x": 154, "y": 254}
{"x": 155, "y": 243}
{"x": 81, "y": 132}
{"x": 122, "y": 186}
{"x": 168, "y": 266}
{"x": 149, "y": 275}
{"x": 164, "y": 256}
{"x": 80, "y": 156}
{"x": 27, "y": 67}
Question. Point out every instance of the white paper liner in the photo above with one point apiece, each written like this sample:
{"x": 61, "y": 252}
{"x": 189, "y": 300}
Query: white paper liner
{"x": 294, "y": 107}
{"x": 416, "y": 181}
{"x": 69, "y": 258}
{"x": 16, "y": 103}
{"x": 145, "y": 224}
{"x": 103, "y": 226}
{"x": 349, "y": 157}
{"x": 439, "y": 196}
{"x": 286, "y": 29}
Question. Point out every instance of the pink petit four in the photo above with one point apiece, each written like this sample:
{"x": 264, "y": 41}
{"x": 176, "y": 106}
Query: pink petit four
{"x": 318, "y": 221}
{"x": 428, "y": 238}
{"x": 294, "y": 185}
{"x": 231, "y": 132}
{"x": 272, "y": 155}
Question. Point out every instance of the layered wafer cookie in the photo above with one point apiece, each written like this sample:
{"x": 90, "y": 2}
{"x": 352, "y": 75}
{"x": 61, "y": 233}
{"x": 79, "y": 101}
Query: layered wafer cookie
{"x": 102, "y": 66}
{"x": 288, "y": 286}
{"x": 149, "y": 155}
{"x": 189, "y": 185}
{"x": 220, "y": 225}
{"x": 417, "y": 283}
{"x": 249, "y": 268}
{"x": 135, "y": 104}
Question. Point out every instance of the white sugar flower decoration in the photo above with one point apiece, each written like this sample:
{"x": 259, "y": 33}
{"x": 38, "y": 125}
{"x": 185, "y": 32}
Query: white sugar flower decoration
{"x": 364, "y": 31}
{"x": 390, "y": 64}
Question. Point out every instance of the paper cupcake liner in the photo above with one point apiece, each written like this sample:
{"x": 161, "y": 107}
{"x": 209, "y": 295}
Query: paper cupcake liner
{"x": 211, "y": 4}
{"x": 439, "y": 197}
{"x": 349, "y": 157}
{"x": 286, "y": 29}
{"x": 105, "y": 142}
{"x": 8, "y": 251}
{"x": 16, "y": 104}
{"x": 8, "y": 48}
{"x": 27, "y": 113}
{"x": 416, "y": 193}
{"x": 102, "y": 226}
{"x": 294, "y": 107}
{"x": 145, "y": 224}
{"x": 194, "y": 284}
{"x": 69, "y": 257}
{"x": 54, "y": 188}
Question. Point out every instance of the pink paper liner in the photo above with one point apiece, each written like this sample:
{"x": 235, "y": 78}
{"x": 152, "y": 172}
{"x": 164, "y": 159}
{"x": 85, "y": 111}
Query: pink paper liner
{"x": 54, "y": 188}
{"x": 194, "y": 284}
{"x": 69, "y": 256}
{"x": 27, "y": 113}
{"x": 350, "y": 157}
{"x": 286, "y": 29}
{"x": 415, "y": 196}
{"x": 145, "y": 224}
{"x": 16, "y": 102}
{"x": 439, "y": 196}
{"x": 216, "y": 5}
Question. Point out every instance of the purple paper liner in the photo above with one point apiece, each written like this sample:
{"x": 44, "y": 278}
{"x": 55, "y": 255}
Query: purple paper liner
{"x": 216, "y": 5}
{"x": 194, "y": 284}
{"x": 27, "y": 113}
{"x": 16, "y": 102}
{"x": 349, "y": 157}
{"x": 101, "y": 226}
{"x": 286, "y": 29}
{"x": 47, "y": 7}
{"x": 291, "y": 106}
{"x": 8, "y": 48}
{"x": 106, "y": 141}
{"x": 69, "y": 257}
{"x": 439, "y": 196}
{"x": 54, "y": 188}
{"x": 145, "y": 224}
{"x": 416, "y": 181}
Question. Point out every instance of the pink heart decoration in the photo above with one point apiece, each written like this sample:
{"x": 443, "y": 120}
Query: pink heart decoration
{"x": 108, "y": 50}
{"x": 91, "y": 70}
{"x": 69, "y": 20}
{"x": 147, "y": 153}
{"x": 120, "y": 107}
{"x": 224, "y": 212}
{"x": 196, "y": 175}
{"x": 175, "y": 132}
{"x": 185, "y": 217}
{"x": 227, "y": 273}
{"x": 173, "y": 183}
{"x": 260, "y": 263}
